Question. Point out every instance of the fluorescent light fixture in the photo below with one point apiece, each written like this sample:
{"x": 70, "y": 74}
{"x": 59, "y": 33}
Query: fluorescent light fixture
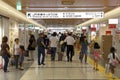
{"x": 113, "y": 21}
{"x": 60, "y": 28}
{"x": 10, "y": 11}
{"x": 61, "y": 9}
{"x": 84, "y": 27}
{"x": 103, "y": 25}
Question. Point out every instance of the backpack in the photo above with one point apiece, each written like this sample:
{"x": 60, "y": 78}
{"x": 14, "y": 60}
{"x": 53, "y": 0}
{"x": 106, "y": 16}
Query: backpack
{"x": 34, "y": 44}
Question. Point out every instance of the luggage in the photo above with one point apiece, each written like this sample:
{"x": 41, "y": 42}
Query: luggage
{"x": 48, "y": 51}
{"x": 60, "y": 56}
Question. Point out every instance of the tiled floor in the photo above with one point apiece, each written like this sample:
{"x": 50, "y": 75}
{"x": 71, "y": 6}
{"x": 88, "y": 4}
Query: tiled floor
{"x": 62, "y": 70}
{"x": 58, "y": 70}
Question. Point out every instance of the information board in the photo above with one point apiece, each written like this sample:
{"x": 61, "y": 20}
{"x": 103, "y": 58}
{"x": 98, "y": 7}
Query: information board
{"x": 54, "y": 15}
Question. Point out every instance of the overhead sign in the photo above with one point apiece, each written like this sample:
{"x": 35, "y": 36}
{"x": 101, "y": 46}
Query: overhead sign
{"x": 113, "y": 21}
{"x": 54, "y": 15}
{"x": 18, "y": 5}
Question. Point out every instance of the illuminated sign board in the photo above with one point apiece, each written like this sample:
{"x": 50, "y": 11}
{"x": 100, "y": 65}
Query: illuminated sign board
{"x": 54, "y": 15}
{"x": 18, "y": 5}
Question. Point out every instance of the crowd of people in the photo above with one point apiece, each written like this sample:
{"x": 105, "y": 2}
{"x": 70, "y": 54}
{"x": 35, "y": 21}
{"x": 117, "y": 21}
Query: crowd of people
{"x": 66, "y": 43}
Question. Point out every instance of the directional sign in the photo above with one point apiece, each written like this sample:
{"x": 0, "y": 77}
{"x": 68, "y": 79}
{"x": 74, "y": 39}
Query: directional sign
{"x": 54, "y": 15}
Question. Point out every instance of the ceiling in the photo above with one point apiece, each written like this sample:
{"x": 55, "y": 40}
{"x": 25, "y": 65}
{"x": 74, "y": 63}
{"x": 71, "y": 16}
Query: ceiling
{"x": 64, "y": 5}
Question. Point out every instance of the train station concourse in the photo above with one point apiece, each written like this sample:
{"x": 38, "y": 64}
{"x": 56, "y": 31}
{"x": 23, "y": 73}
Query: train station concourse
{"x": 59, "y": 39}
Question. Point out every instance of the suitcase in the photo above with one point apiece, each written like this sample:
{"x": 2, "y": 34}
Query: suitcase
{"x": 60, "y": 56}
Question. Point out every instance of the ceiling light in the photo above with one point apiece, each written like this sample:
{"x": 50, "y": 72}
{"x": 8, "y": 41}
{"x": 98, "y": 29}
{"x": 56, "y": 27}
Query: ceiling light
{"x": 67, "y": 2}
{"x": 66, "y": 8}
{"x": 5, "y": 8}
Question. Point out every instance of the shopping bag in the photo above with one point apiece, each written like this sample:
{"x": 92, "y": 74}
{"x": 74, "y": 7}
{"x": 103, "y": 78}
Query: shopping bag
{"x": 114, "y": 62}
{"x": 60, "y": 56}
{"x": 26, "y": 53}
{"x": 1, "y": 62}
{"x": 107, "y": 68}
{"x": 48, "y": 51}
{"x": 81, "y": 56}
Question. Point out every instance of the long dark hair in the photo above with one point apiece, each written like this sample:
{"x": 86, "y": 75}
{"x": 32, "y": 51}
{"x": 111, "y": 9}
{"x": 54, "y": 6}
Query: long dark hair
{"x": 112, "y": 50}
{"x": 96, "y": 45}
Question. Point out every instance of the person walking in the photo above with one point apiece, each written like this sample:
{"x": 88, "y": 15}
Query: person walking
{"x": 113, "y": 60}
{"x": 5, "y": 52}
{"x": 32, "y": 46}
{"x": 96, "y": 55}
{"x": 84, "y": 48}
{"x": 53, "y": 45}
{"x": 16, "y": 51}
{"x": 70, "y": 46}
{"x": 62, "y": 43}
{"x": 41, "y": 49}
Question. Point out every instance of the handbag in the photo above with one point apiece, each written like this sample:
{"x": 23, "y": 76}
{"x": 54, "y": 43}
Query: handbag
{"x": 97, "y": 55}
{"x": 26, "y": 53}
{"x": 114, "y": 62}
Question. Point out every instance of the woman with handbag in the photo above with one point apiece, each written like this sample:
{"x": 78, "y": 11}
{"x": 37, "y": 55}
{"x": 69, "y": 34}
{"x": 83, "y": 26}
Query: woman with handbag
{"x": 113, "y": 60}
{"x": 31, "y": 47}
{"x": 5, "y": 52}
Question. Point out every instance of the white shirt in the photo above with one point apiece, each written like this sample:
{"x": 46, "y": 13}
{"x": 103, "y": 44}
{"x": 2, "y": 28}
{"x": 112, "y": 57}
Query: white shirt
{"x": 16, "y": 49}
{"x": 70, "y": 40}
{"x": 53, "y": 41}
{"x": 110, "y": 56}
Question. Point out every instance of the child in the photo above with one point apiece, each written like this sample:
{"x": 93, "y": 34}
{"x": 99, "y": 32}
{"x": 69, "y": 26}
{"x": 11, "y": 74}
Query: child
{"x": 113, "y": 60}
{"x": 96, "y": 55}
{"x": 21, "y": 58}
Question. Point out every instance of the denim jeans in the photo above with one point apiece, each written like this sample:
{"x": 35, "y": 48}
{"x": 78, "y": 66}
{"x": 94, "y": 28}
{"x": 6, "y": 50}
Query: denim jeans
{"x": 41, "y": 51}
{"x": 53, "y": 52}
{"x": 16, "y": 60}
{"x": 6, "y": 59}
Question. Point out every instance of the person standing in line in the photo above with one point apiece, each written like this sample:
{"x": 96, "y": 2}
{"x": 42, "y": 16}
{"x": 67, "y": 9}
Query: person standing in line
{"x": 5, "y": 52}
{"x": 96, "y": 55}
{"x": 53, "y": 45}
{"x": 32, "y": 46}
{"x": 113, "y": 60}
{"x": 16, "y": 51}
{"x": 84, "y": 48}
{"x": 41, "y": 49}
{"x": 70, "y": 46}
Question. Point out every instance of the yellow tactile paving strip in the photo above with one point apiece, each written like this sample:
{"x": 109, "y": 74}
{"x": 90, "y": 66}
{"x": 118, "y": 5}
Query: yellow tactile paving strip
{"x": 102, "y": 70}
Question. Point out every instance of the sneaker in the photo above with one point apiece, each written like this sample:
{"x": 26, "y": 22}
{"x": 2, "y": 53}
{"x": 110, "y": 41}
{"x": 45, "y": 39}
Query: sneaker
{"x": 113, "y": 76}
{"x": 43, "y": 63}
{"x": 39, "y": 64}
{"x": 7, "y": 71}
{"x": 97, "y": 69}
{"x": 21, "y": 69}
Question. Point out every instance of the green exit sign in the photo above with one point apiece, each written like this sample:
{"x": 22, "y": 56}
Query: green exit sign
{"x": 19, "y": 5}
